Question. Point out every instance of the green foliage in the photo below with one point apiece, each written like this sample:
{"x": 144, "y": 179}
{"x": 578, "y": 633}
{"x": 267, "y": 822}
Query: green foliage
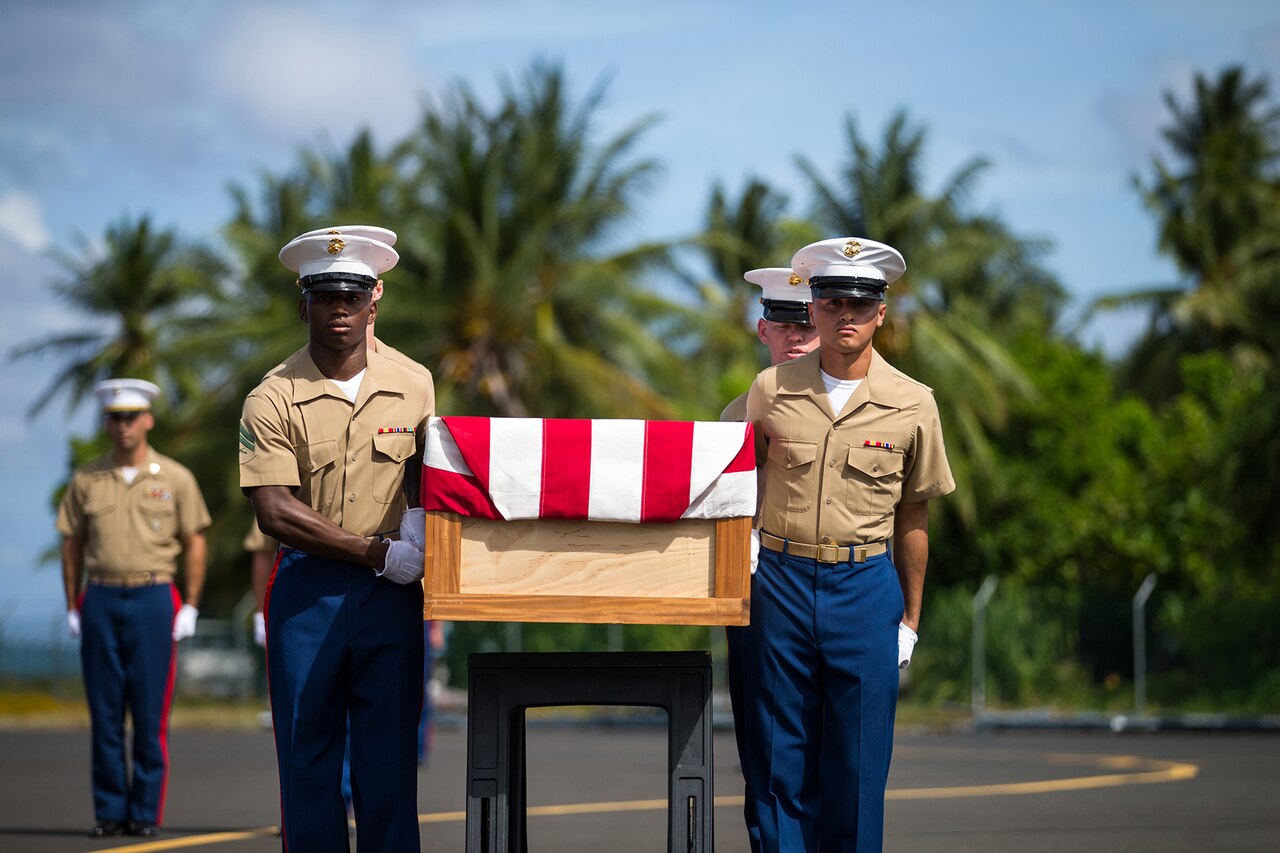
{"x": 1029, "y": 641}
{"x": 1219, "y": 652}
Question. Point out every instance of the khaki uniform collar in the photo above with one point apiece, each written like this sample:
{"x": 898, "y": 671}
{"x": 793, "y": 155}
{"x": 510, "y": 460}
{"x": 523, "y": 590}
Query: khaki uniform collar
{"x": 150, "y": 467}
{"x": 380, "y": 375}
{"x": 876, "y": 387}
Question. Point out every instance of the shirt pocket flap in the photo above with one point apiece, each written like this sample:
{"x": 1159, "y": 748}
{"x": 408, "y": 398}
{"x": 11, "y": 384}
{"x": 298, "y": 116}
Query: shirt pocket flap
{"x": 398, "y": 446}
{"x": 98, "y": 505}
{"x": 318, "y": 454}
{"x": 792, "y": 454}
{"x": 875, "y": 462}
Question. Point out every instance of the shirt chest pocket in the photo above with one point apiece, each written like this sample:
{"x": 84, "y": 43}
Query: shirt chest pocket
{"x": 792, "y": 463}
{"x": 390, "y": 450}
{"x": 318, "y": 472}
{"x": 874, "y": 480}
{"x": 159, "y": 520}
{"x": 98, "y": 505}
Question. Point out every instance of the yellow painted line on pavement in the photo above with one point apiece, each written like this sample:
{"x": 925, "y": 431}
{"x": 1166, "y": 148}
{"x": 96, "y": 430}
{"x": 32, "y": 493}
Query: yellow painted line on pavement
{"x": 208, "y": 839}
{"x": 1164, "y": 771}
{"x": 1172, "y": 771}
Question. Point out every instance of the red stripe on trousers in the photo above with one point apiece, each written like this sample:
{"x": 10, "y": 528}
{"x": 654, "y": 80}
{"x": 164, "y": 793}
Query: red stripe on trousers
{"x": 164, "y": 713}
{"x": 668, "y": 457}
{"x": 566, "y": 468}
{"x": 266, "y": 607}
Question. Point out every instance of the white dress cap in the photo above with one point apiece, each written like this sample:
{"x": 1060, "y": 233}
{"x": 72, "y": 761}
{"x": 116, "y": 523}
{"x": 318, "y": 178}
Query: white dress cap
{"x": 849, "y": 267}
{"x": 785, "y": 296}
{"x": 373, "y": 232}
{"x": 340, "y": 261}
{"x": 126, "y": 395}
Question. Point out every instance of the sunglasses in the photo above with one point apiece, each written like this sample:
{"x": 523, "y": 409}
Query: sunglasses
{"x": 122, "y": 417}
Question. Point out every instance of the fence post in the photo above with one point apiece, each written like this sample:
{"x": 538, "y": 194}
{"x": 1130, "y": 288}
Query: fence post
{"x": 979, "y": 694}
{"x": 1140, "y": 644}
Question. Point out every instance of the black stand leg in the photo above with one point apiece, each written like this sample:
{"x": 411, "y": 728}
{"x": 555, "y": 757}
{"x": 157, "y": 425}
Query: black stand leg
{"x": 502, "y": 686}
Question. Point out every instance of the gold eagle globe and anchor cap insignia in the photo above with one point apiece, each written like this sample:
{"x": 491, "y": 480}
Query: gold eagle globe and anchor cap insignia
{"x": 126, "y": 395}
{"x": 783, "y": 299}
{"x": 349, "y": 258}
{"x": 849, "y": 267}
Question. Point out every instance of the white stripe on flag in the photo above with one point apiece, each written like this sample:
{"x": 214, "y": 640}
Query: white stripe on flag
{"x": 715, "y": 445}
{"x": 731, "y": 496}
{"x": 515, "y": 466}
{"x": 441, "y": 451}
{"x": 617, "y": 469}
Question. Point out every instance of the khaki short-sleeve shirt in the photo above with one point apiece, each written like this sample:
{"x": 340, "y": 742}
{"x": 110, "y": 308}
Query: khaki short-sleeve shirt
{"x": 840, "y": 478}
{"x": 345, "y": 460}
{"x": 132, "y": 527}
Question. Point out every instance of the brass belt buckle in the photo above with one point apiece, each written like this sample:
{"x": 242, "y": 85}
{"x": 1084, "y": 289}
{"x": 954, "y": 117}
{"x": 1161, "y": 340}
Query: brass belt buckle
{"x": 824, "y": 550}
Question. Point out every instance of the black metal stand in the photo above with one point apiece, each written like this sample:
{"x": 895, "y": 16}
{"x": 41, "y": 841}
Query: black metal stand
{"x": 501, "y": 686}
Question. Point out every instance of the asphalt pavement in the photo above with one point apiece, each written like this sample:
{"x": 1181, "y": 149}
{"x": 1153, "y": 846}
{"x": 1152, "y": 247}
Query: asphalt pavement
{"x": 603, "y": 788}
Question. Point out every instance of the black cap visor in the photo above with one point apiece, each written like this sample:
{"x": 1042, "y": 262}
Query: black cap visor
{"x": 846, "y": 287}
{"x": 786, "y": 311}
{"x": 337, "y": 281}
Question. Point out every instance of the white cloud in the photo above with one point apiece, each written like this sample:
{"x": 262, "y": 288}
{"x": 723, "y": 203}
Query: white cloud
{"x": 22, "y": 217}
{"x": 298, "y": 70}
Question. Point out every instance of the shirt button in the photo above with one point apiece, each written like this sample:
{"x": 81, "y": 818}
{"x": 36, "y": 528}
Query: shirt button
{"x": 351, "y": 497}
{"x": 353, "y": 457}
{"x": 831, "y": 464}
{"x": 875, "y": 467}
{"x": 828, "y": 501}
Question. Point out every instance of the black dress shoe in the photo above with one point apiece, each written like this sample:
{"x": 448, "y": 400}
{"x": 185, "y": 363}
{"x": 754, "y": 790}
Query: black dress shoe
{"x": 106, "y": 829}
{"x": 146, "y": 830}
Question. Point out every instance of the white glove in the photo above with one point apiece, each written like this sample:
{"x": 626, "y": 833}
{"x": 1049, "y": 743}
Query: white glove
{"x": 260, "y": 629}
{"x": 73, "y": 624}
{"x": 184, "y": 624}
{"x": 755, "y": 549}
{"x": 906, "y": 644}
{"x": 404, "y": 563}
{"x": 413, "y": 527}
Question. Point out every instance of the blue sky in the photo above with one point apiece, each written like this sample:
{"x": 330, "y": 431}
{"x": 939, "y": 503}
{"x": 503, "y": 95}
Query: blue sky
{"x": 114, "y": 108}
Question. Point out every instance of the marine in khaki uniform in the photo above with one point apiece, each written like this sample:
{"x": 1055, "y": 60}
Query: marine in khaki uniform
{"x": 125, "y": 519}
{"x": 328, "y": 445}
{"x": 784, "y": 328}
{"x": 263, "y": 549}
{"x": 787, "y": 333}
{"x": 852, "y": 452}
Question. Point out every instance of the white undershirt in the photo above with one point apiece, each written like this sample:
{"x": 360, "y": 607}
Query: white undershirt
{"x": 838, "y": 390}
{"x": 129, "y": 473}
{"x": 350, "y": 387}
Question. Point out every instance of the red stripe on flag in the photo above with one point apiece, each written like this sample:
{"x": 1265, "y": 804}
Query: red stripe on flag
{"x": 668, "y": 457}
{"x": 566, "y": 468}
{"x": 746, "y": 458}
{"x": 448, "y": 491}
{"x": 471, "y": 435}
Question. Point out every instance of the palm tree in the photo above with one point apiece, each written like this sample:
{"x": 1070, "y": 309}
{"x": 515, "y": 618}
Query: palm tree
{"x": 143, "y": 291}
{"x": 968, "y": 280}
{"x": 524, "y": 302}
{"x": 1216, "y": 210}
{"x": 738, "y": 235}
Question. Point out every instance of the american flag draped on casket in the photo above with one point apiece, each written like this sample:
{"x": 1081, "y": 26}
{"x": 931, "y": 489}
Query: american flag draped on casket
{"x": 599, "y": 470}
